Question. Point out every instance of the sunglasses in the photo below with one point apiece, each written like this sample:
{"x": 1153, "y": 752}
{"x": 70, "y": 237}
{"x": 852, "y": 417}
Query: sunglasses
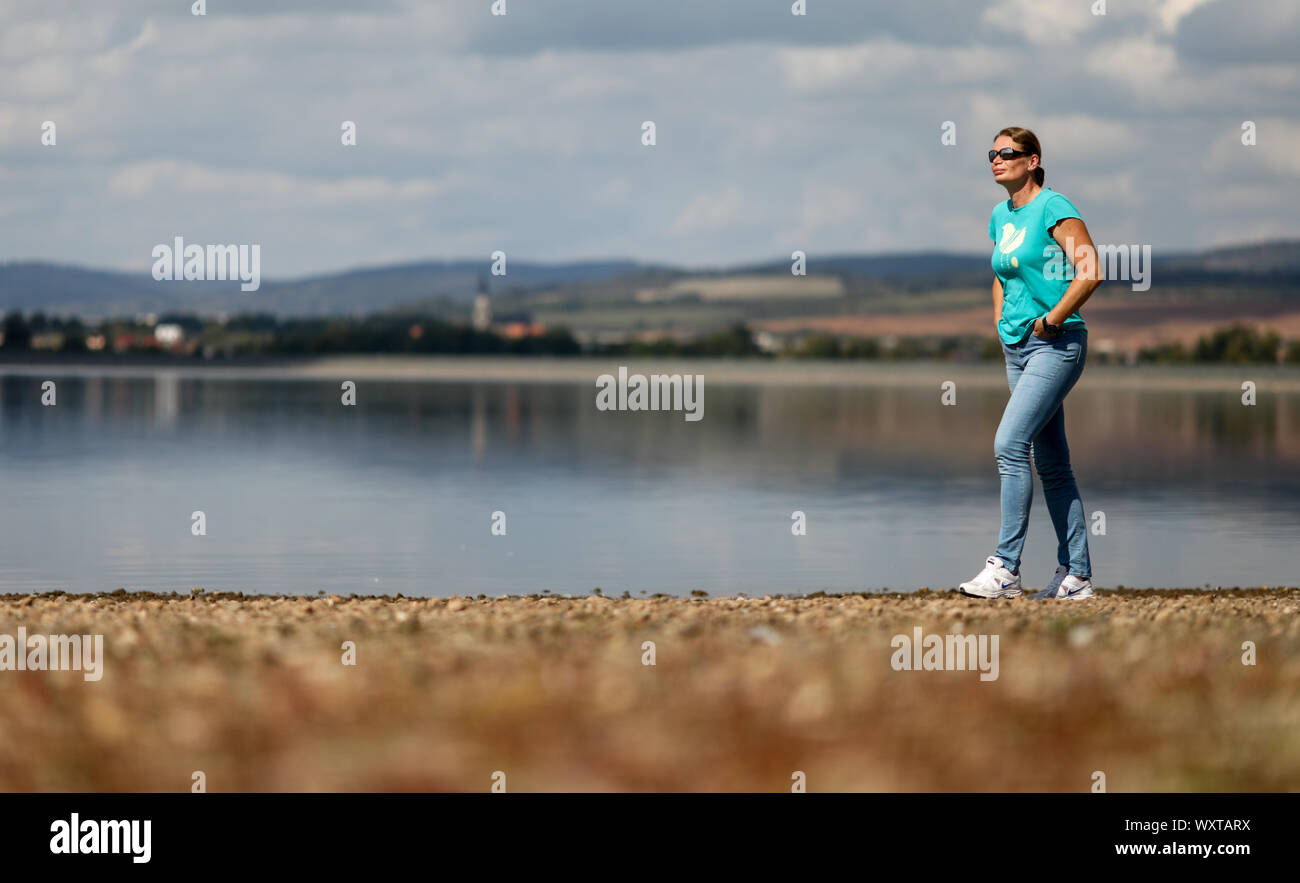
{"x": 1008, "y": 153}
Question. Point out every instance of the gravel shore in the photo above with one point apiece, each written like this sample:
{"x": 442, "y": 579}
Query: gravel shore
{"x": 1148, "y": 688}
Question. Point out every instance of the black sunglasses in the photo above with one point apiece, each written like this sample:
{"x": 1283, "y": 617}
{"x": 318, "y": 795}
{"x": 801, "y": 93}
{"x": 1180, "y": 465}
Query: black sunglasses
{"x": 1008, "y": 153}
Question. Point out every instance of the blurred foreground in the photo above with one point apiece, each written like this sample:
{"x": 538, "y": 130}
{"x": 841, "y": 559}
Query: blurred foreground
{"x": 1148, "y": 687}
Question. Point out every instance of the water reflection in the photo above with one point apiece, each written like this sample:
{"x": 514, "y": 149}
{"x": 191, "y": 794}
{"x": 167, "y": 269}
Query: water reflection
{"x": 395, "y": 493}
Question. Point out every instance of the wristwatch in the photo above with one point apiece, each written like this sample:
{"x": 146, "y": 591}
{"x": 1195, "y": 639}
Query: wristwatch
{"x": 1049, "y": 329}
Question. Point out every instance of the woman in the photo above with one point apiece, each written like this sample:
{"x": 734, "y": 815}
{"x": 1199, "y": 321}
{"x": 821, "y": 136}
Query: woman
{"x": 1045, "y": 343}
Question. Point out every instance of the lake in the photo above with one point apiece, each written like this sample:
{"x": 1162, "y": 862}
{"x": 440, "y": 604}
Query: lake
{"x": 302, "y": 494}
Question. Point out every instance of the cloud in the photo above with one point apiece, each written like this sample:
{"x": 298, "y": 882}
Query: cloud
{"x": 1139, "y": 63}
{"x": 24, "y": 39}
{"x": 667, "y": 25}
{"x": 1273, "y": 154}
{"x": 1240, "y": 32}
{"x": 1086, "y": 139}
{"x": 178, "y": 178}
{"x": 523, "y": 132}
{"x": 1041, "y": 23}
{"x": 114, "y": 61}
{"x": 1171, "y": 12}
{"x": 709, "y": 212}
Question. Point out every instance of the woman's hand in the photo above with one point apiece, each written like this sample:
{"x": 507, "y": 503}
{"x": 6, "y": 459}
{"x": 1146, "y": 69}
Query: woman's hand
{"x": 1039, "y": 330}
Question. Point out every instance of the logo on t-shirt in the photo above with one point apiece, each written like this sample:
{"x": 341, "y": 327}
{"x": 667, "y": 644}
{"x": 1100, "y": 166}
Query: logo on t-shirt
{"x": 1011, "y": 240}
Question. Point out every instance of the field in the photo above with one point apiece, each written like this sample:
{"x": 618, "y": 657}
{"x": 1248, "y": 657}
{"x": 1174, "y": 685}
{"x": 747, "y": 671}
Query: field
{"x": 1148, "y": 688}
{"x": 1120, "y": 321}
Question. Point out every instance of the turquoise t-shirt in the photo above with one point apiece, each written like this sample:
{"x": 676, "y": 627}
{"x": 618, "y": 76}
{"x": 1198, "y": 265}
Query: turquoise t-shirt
{"x": 1030, "y": 264}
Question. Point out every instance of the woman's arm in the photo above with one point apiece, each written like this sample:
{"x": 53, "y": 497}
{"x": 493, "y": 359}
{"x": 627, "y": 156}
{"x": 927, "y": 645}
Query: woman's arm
{"x": 997, "y": 298}
{"x": 1072, "y": 236}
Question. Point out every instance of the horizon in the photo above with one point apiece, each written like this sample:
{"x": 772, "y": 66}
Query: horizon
{"x": 725, "y": 268}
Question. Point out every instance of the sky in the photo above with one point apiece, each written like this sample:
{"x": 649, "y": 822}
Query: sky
{"x": 523, "y": 133}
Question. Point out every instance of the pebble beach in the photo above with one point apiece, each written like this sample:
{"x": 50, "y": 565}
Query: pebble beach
{"x": 1156, "y": 690}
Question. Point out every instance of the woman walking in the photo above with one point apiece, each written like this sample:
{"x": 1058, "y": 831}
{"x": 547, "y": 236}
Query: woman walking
{"x": 1045, "y": 343}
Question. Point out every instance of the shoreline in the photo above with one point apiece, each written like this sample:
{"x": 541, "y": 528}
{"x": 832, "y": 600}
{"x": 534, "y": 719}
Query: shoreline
{"x": 718, "y": 372}
{"x": 201, "y": 594}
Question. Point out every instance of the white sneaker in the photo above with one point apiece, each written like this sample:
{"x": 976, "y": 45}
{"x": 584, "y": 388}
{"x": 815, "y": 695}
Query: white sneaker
{"x": 994, "y": 581}
{"x": 1075, "y": 589}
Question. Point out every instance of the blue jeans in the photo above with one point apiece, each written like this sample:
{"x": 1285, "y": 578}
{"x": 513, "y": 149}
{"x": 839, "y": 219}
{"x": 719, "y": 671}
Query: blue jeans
{"x": 1040, "y": 372}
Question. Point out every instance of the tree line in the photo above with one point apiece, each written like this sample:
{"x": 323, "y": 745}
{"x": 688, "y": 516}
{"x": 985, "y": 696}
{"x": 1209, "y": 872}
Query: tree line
{"x": 264, "y": 334}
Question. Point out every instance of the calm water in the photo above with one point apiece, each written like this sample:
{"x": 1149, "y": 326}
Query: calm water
{"x": 397, "y": 493}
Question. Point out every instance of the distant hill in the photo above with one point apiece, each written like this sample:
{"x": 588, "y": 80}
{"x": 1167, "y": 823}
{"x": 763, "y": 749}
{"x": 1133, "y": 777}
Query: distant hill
{"x": 69, "y": 290}
{"x": 448, "y": 286}
{"x": 1280, "y": 258}
{"x": 894, "y": 266}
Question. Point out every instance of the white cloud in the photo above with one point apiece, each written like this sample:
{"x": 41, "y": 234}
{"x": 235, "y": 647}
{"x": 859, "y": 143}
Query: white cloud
{"x": 815, "y": 70}
{"x": 1039, "y": 22}
{"x": 1171, "y": 12}
{"x": 114, "y": 61}
{"x": 179, "y": 178}
{"x": 709, "y": 212}
{"x": 475, "y": 132}
{"x": 1274, "y": 151}
{"x": 27, "y": 38}
{"x": 1116, "y": 189}
{"x": 1140, "y": 63}
{"x": 1077, "y": 138}
{"x": 41, "y": 79}
{"x": 886, "y": 65}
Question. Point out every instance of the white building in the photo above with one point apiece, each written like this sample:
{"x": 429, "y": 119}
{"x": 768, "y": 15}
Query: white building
{"x": 168, "y": 334}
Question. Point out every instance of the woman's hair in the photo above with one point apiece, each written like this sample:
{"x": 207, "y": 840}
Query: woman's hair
{"x": 1026, "y": 140}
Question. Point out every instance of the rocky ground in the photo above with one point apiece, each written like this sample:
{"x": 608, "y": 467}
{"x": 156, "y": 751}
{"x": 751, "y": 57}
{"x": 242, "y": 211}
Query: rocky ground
{"x": 1148, "y": 688}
